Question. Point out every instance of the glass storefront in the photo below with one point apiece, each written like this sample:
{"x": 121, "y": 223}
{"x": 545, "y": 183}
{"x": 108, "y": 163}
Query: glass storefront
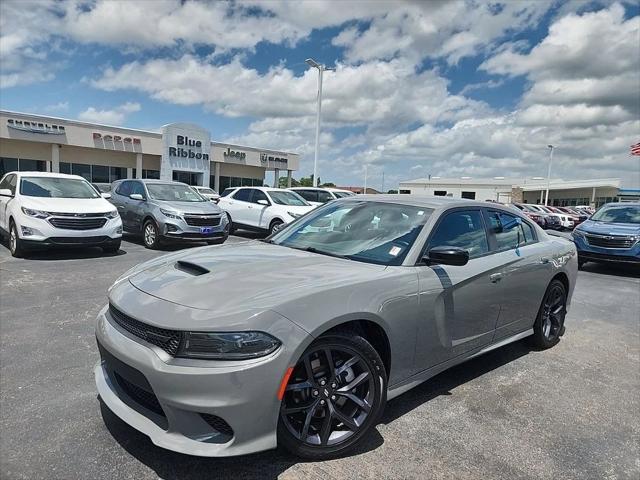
{"x": 94, "y": 173}
{"x": 152, "y": 174}
{"x": 21, "y": 164}
{"x": 230, "y": 182}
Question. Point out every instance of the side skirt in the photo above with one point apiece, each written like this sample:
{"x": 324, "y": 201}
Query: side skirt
{"x": 417, "y": 379}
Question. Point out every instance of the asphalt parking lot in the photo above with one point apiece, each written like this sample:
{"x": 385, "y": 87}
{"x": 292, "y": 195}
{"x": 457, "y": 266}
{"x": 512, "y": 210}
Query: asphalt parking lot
{"x": 569, "y": 412}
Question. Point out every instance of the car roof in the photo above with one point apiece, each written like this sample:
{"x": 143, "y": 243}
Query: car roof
{"x": 424, "y": 201}
{"x": 307, "y": 188}
{"x": 46, "y": 174}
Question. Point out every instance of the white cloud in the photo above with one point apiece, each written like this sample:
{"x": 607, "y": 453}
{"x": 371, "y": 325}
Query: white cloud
{"x": 115, "y": 116}
{"x": 57, "y": 107}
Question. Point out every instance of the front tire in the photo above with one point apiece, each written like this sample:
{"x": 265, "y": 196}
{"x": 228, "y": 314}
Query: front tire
{"x": 274, "y": 226}
{"x": 334, "y": 397}
{"x": 150, "y": 235}
{"x": 549, "y": 324}
{"x": 16, "y": 246}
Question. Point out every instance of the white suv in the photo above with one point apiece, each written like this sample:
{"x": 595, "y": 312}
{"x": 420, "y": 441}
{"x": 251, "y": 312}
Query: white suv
{"x": 262, "y": 208}
{"x": 40, "y": 209}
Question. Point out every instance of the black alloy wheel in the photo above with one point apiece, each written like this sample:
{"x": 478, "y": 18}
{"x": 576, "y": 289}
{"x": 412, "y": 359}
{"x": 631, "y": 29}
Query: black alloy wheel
{"x": 335, "y": 394}
{"x": 549, "y": 325}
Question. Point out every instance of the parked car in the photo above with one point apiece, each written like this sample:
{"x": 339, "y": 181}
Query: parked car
{"x": 531, "y": 213}
{"x": 587, "y": 208}
{"x": 40, "y": 209}
{"x": 207, "y": 192}
{"x": 578, "y": 216}
{"x": 104, "y": 189}
{"x": 340, "y": 193}
{"x": 567, "y": 220}
{"x": 302, "y": 338}
{"x": 314, "y": 195}
{"x": 612, "y": 234}
{"x": 552, "y": 220}
{"x": 262, "y": 208}
{"x": 164, "y": 211}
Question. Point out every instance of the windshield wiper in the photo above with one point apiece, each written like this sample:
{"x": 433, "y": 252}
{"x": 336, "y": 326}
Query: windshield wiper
{"x": 322, "y": 252}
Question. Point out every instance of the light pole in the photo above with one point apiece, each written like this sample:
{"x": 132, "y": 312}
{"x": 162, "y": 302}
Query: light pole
{"x": 365, "y": 179}
{"x": 321, "y": 69}
{"x": 546, "y": 197}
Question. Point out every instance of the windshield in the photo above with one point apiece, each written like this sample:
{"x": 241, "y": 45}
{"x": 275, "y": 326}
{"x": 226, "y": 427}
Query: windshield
{"x": 372, "y": 232}
{"x": 57, "y": 187}
{"x": 618, "y": 214}
{"x": 208, "y": 191}
{"x": 341, "y": 194}
{"x": 174, "y": 192}
{"x": 287, "y": 198}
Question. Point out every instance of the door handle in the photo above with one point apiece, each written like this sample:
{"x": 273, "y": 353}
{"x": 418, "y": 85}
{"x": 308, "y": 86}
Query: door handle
{"x": 495, "y": 277}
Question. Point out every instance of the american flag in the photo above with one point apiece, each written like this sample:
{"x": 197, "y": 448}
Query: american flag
{"x": 635, "y": 149}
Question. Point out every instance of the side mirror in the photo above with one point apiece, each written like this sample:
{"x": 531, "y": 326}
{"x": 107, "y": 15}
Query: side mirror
{"x": 5, "y": 192}
{"x": 263, "y": 202}
{"x": 136, "y": 196}
{"x": 105, "y": 195}
{"x": 444, "y": 255}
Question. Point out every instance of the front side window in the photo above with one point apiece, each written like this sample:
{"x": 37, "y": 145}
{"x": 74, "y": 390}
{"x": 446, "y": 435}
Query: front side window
{"x": 226, "y": 192}
{"x": 308, "y": 195}
{"x": 137, "y": 187}
{"x": 371, "y": 232}
{"x": 463, "y": 229}
{"x": 618, "y": 214}
{"x": 510, "y": 231}
{"x": 324, "y": 197}
{"x": 57, "y": 187}
{"x": 259, "y": 195}
{"x": 287, "y": 198}
{"x": 124, "y": 189}
{"x": 173, "y": 192}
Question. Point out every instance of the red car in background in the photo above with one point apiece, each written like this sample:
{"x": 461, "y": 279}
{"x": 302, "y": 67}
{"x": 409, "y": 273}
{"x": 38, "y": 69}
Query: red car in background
{"x": 579, "y": 216}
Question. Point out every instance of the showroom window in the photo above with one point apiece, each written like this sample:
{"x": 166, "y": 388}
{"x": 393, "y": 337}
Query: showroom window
{"x": 152, "y": 174}
{"x": 94, "y": 173}
{"x": 21, "y": 164}
{"x": 230, "y": 182}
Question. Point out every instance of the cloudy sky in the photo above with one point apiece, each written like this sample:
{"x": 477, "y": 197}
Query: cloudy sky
{"x": 447, "y": 88}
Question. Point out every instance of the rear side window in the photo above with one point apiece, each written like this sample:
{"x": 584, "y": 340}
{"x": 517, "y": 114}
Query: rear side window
{"x": 510, "y": 231}
{"x": 243, "y": 195}
{"x": 464, "y": 229}
{"x": 308, "y": 195}
{"x": 124, "y": 189}
{"x": 226, "y": 192}
{"x": 324, "y": 197}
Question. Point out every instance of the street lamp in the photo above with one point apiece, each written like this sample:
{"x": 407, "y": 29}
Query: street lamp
{"x": 546, "y": 197}
{"x": 321, "y": 69}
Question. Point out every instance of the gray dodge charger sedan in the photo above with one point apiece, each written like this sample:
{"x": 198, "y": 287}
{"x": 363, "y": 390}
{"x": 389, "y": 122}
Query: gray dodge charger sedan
{"x": 300, "y": 340}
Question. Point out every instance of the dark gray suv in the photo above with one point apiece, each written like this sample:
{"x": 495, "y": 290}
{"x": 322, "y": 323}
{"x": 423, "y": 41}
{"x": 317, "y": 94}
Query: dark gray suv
{"x": 164, "y": 211}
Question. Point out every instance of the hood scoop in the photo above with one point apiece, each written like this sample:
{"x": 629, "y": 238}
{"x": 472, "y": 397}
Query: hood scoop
{"x": 191, "y": 268}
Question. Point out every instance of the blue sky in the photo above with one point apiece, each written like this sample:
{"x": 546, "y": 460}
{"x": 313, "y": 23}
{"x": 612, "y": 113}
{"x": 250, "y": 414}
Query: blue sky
{"x": 452, "y": 88}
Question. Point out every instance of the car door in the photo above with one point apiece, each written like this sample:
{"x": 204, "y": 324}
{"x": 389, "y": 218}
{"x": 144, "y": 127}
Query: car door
{"x": 121, "y": 200}
{"x": 137, "y": 208}
{"x": 9, "y": 183}
{"x": 460, "y": 304}
{"x": 238, "y": 206}
{"x": 524, "y": 272}
{"x": 258, "y": 212}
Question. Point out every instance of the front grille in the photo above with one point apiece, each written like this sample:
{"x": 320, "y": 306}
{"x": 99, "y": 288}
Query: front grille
{"x": 78, "y": 240}
{"x": 218, "y": 424}
{"x": 139, "y": 395}
{"x": 77, "y": 223}
{"x": 611, "y": 241}
{"x": 202, "y": 220}
{"x": 168, "y": 340}
{"x": 78, "y": 215}
{"x": 610, "y": 258}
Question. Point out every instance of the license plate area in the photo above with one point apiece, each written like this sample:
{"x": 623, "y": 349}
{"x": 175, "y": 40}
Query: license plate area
{"x": 206, "y": 230}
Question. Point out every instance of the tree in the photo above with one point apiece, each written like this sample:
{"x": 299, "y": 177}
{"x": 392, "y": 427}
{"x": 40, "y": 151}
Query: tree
{"x": 303, "y": 182}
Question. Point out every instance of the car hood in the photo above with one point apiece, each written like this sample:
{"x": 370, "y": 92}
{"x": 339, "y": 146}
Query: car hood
{"x": 301, "y": 209}
{"x": 608, "y": 228}
{"x": 189, "y": 207}
{"x": 252, "y": 275}
{"x": 68, "y": 205}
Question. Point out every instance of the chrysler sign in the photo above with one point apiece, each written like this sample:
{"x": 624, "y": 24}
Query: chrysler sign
{"x": 35, "y": 127}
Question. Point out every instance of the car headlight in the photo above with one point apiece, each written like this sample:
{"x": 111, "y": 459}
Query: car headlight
{"x": 35, "y": 213}
{"x": 113, "y": 214}
{"x": 294, "y": 214}
{"x": 227, "y": 346}
{"x": 171, "y": 213}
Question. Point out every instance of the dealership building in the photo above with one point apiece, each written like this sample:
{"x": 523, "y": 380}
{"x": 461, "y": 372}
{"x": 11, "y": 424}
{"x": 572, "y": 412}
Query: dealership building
{"x": 561, "y": 192}
{"x": 102, "y": 154}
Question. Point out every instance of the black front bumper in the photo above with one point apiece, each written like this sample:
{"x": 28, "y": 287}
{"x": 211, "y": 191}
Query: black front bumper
{"x": 601, "y": 257}
{"x": 98, "y": 241}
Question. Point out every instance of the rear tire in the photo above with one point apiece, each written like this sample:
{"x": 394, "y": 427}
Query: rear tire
{"x": 16, "y": 246}
{"x": 150, "y": 235}
{"x": 343, "y": 394}
{"x": 581, "y": 263}
{"x": 549, "y": 324}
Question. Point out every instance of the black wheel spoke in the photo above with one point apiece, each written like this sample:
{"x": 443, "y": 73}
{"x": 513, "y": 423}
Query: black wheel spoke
{"x": 298, "y": 408}
{"x": 332, "y": 372}
{"x": 309, "y": 370}
{"x": 307, "y": 422}
{"x": 355, "y": 399}
{"x": 299, "y": 386}
{"x": 346, "y": 365}
{"x": 325, "y": 430}
{"x": 345, "y": 419}
{"x": 354, "y": 383}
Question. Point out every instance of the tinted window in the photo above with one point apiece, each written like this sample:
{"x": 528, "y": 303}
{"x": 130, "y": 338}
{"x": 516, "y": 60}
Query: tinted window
{"x": 226, "y": 192}
{"x": 324, "y": 197}
{"x": 13, "y": 181}
{"x": 462, "y": 229}
{"x": 308, "y": 195}
{"x": 124, "y": 189}
{"x": 618, "y": 214}
{"x": 244, "y": 194}
{"x": 284, "y": 197}
{"x": 137, "y": 187}
{"x": 8, "y": 165}
{"x": 510, "y": 231}
{"x": 258, "y": 195}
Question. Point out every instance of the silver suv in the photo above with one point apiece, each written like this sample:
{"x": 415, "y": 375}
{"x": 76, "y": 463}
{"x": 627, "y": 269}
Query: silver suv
{"x": 165, "y": 211}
